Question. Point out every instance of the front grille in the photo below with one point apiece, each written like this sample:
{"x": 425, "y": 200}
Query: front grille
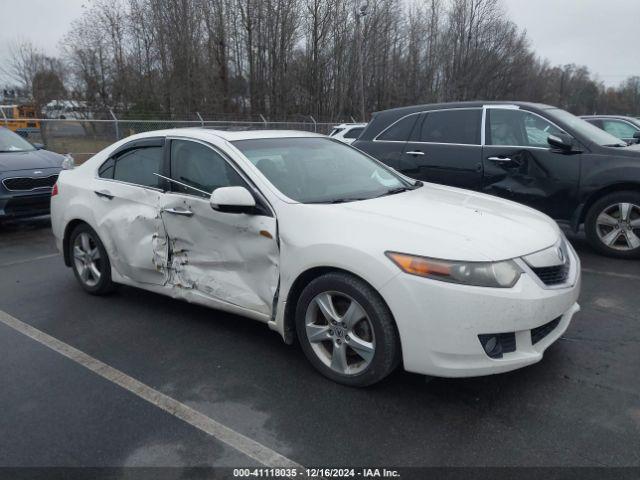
{"x": 542, "y": 331}
{"x": 18, "y": 184}
{"x": 555, "y": 275}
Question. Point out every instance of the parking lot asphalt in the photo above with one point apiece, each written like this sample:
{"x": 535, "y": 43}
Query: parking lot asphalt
{"x": 580, "y": 406}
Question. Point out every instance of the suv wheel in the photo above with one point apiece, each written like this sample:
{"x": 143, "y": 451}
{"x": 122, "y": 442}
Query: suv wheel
{"x": 89, "y": 260}
{"x": 613, "y": 225}
{"x": 346, "y": 330}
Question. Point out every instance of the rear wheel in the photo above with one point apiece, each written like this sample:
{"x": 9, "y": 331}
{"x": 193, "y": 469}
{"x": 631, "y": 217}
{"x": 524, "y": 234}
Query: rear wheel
{"x": 89, "y": 260}
{"x": 613, "y": 225}
{"x": 346, "y": 330}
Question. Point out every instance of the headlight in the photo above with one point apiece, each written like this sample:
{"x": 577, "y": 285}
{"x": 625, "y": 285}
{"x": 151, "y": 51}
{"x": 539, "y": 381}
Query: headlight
{"x": 481, "y": 274}
{"x": 68, "y": 163}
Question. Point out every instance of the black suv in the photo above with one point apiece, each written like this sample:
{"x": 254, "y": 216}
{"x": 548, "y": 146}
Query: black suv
{"x": 534, "y": 154}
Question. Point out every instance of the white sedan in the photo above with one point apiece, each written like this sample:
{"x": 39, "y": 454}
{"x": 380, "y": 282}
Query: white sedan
{"x": 347, "y": 132}
{"x": 367, "y": 268}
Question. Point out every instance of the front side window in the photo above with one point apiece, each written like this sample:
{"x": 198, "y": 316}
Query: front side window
{"x": 399, "y": 131}
{"x": 11, "y": 142}
{"x": 320, "y": 170}
{"x": 200, "y": 167}
{"x": 511, "y": 127}
{"x": 618, "y": 128}
{"x": 452, "y": 126}
{"x": 353, "y": 133}
{"x": 137, "y": 166}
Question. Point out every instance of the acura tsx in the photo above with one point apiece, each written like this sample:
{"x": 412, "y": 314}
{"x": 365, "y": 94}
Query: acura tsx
{"x": 367, "y": 268}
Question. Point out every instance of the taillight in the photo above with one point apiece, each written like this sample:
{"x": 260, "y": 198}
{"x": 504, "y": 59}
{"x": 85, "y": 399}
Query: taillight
{"x": 54, "y": 190}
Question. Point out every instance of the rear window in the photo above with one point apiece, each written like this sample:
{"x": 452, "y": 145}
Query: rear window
{"x": 452, "y": 126}
{"x": 399, "y": 131}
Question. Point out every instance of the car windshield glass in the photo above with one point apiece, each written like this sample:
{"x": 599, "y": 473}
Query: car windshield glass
{"x": 584, "y": 128}
{"x": 319, "y": 170}
{"x": 11, "y": 142}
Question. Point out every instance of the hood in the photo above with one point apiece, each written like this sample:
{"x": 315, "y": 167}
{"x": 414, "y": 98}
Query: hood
{"x": 439, "y": 222}
{"x": 629, "y": 151}
{"x": 34, "y": 159}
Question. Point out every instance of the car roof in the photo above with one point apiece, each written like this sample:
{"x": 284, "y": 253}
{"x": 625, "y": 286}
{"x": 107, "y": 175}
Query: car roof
{"x": 229, "y": 135}
{"x": 623, "y": 117}
{"x": 350, "y": 125}
{"x": 471, "y": 104}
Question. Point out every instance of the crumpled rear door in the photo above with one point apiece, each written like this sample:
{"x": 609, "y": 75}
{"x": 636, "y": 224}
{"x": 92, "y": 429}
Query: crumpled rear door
{"x": 229, "y": 257}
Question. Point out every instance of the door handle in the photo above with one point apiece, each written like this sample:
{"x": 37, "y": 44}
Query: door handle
{"x": 499, "y": 159}
{"x": 175, "y": 211}
{"x": 415, "y": 152}
{"x": 104, "y": 194}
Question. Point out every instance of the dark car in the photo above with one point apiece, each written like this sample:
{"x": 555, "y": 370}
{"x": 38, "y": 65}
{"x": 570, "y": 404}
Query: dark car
{"x": 626, "y": 128}
{"x": 26, "y": 177}
{"x": 533, "y": 154}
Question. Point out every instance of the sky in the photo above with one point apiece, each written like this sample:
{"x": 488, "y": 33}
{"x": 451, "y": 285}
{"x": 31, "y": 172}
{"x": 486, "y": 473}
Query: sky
{"x": 601, "y": 34}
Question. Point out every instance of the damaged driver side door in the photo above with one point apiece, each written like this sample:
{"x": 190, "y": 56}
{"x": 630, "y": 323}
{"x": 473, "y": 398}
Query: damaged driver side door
{"x": 229, "y": 258}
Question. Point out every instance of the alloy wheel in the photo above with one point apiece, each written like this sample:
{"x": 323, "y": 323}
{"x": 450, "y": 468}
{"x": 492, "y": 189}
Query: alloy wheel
{"x": 618, "y": 226}
{"x": 340, "y": 332}
{"x": 86, "y": 258}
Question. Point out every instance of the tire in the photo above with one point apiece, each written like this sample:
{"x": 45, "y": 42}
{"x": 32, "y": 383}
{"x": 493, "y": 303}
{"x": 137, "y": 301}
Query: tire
{"x": 85, "y": 238}
{"x": 607, "y": 216}
{"x": 356, "y": 342}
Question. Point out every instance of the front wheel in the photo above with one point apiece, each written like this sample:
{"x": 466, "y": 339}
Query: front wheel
{"x": 346, "y": 330}
{"x": 89, "y": 260}
{"x": 613, "y": 225}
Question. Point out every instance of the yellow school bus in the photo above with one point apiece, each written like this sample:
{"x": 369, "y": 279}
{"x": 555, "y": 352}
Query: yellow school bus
{"x": 19, "y": 118}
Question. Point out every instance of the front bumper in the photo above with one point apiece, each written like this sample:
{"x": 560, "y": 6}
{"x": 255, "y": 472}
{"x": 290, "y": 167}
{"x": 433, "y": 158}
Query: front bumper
{"x": 20, "y": 205}
{"x": 439, "y": 323}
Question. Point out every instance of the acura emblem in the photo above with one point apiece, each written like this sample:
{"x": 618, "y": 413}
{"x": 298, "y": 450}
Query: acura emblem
{"x": 37, "y": 172}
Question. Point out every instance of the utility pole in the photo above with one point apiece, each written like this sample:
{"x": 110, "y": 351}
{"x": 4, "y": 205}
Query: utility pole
{"x": 360, "y": 14}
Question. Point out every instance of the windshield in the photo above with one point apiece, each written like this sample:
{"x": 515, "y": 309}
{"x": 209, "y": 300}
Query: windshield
{"x": 319, "y": 170}
{"x": 11, "y": 142}
{"x": 586, "y": 129}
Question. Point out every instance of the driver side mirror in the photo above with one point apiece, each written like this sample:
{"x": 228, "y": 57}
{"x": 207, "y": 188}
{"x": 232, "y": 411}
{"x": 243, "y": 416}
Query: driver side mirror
{"x": 232, "y": 200}
{"x": 38, "y": 146}
{"x": 561, "y": 141}
{"x": 637, "y": 136}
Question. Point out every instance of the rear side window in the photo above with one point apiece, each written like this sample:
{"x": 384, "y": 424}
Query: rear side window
{"x": 353, "y": 133}
{"x": 106, "y": 170}
{"x": 452, "y": 126}
{"x": 399, "y": 131}
{"x": 201, "y": 167}
{"x": 335, "y": 131}
{"x": 137, "y": 166}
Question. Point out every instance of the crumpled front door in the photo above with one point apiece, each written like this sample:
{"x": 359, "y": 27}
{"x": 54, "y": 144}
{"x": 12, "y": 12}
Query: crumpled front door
{"x": 232, "y": 258}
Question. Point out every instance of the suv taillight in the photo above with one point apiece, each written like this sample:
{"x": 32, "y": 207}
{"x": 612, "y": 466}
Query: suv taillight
{"x": 54, "y": 190}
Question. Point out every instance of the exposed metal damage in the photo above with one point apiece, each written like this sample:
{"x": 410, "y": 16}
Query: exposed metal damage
{"x": 216, "y": 255}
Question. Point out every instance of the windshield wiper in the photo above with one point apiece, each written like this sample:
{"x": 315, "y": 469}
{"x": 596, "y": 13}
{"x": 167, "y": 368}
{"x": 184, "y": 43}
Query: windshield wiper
{"x": 617, "y": 145}
{"x": 393, "y": 191}
{"x": 339, "y": 200}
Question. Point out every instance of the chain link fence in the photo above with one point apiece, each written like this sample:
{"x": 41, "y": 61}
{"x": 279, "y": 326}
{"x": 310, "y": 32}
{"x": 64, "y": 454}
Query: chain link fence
{"x": 83, "y": 138}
